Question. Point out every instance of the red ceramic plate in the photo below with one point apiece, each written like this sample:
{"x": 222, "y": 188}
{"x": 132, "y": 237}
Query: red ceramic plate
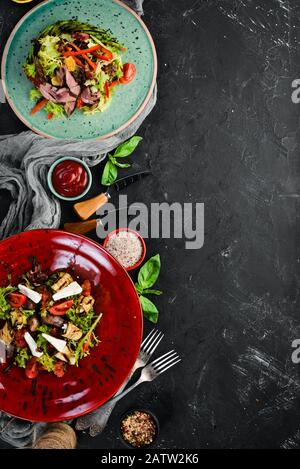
{"x": 100, "y": 375}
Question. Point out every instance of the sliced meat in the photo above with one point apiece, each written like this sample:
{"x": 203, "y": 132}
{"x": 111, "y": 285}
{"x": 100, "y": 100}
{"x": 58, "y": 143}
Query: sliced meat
{"x": 60, "y": 76}
{"x": 80, "y": 36}
{"x": 64, "y": 96}
{"x": 46, "y": 90}
{"x": 88, "y": 97}
{"x": 72, "y": 83}
{"x": 69, "y": 108}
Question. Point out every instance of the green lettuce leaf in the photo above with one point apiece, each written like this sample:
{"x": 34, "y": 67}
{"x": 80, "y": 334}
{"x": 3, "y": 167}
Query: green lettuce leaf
{"x": 21, "y": 357}
{"x": 34, "y": 95}
{"x": 49, "y": 56}
{"x": 57, "y": 110}
{"x": 29, "y": 69}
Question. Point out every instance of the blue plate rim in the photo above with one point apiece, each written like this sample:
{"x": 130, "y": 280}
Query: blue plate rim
{"x": 102, "y": 137}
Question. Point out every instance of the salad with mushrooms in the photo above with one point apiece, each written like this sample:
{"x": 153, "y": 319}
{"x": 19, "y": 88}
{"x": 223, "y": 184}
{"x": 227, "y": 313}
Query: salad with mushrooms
{"x": 47, "y": 321}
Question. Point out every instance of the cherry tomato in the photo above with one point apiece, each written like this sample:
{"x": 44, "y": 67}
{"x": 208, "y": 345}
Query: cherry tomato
{"x": 86, "y": 345}
{"x": 31, "y": 370}
{"x": 86, "y": 288}
{"x": 16, "y": 300}
{"x": 129, "y": 72}
{"x": 61, "y": 308}
{"x": 19, "y": 338}
{"x": 59, "y": 369}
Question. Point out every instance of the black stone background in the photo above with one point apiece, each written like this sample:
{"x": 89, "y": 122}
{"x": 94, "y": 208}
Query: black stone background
{"x": 224, "y": 132}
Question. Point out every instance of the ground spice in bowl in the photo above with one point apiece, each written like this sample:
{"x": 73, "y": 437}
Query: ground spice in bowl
{"x": 127, "y": 247}
{"x": 139, "y": 428}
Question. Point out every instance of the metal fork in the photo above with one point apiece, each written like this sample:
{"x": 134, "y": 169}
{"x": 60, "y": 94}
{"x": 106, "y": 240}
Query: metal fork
{"x": 98, "y": 419}
{"x": 152, "y": 371}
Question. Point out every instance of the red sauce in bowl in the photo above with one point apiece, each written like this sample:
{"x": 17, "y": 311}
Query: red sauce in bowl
{"x": 70, "y": 178}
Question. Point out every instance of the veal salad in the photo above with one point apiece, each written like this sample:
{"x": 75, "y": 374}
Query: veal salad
{"x": 47, "y": 321}
{"x": 75, "y": 65}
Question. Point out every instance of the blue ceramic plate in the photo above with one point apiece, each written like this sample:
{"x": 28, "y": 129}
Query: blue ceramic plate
{"x": 128, "y": 100}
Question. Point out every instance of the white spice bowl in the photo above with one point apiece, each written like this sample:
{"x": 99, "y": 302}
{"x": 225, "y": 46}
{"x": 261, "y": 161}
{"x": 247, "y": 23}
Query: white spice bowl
{"x": 141, "y": 239}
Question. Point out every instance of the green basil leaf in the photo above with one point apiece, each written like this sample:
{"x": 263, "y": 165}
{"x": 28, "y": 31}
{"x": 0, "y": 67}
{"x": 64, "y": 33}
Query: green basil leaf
{"x": 138, "y": 288}
{"x": 128, "y": 147}
{"x": 149, "y": 291}
{"x": 120, "y": 165}
{"x": 149, "y": 273}
{"x": 110, "y": 174}
{"x": 149, "y": 309}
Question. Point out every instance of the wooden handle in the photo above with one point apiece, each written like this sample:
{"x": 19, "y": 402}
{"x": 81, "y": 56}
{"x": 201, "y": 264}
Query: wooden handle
{"x": 85, "y": 209}
{"x": 81, "y": 227}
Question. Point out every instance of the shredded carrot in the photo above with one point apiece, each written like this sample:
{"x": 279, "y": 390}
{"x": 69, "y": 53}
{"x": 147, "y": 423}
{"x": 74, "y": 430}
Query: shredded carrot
{"x": 78, "y": 62}
{"x": 39, "y": 106}
{"x": 88, "y": 60}
{"x": 50, "y": 116}
{"x": 79, "y": 103}
{"x": 106, "y": 88}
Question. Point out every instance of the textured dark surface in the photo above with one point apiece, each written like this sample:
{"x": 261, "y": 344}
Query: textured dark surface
{"x": 224, "y": 132}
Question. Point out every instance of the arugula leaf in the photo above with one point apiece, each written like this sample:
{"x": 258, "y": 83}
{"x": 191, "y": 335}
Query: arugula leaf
{"x": 110, "y": 174}
{"x": 128, "y": 147}
{"x": 149, "y": 273}
{"x": 79, "y": 352}
{"x": 5, "y": 307}
{"x": 149, "y": 309}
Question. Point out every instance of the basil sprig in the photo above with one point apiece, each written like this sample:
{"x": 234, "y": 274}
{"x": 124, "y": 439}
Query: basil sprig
{"x": 147, "y": 277}
{"x": 110, "y": 172}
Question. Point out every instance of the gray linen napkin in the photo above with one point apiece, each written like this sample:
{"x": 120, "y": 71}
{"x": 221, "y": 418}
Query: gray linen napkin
{"x": 24, "y": 162}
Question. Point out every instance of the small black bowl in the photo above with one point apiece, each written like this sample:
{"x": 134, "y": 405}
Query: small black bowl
{"x": 154, "y": 418}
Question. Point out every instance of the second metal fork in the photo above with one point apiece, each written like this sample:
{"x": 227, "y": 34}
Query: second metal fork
{"x": 98, "y": 419}
{"x": 151, "y": 371}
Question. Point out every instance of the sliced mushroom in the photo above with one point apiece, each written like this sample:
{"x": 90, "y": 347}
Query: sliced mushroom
{"x": 6, "y": 335}
{"x": 72, "y": 332}
{"x": 52, "y": 320}
{"x": 33, "y": 324}
{"x": 64, "y": 280}
{"x": 18, "y": 318}
{"x": 87, "y": 303}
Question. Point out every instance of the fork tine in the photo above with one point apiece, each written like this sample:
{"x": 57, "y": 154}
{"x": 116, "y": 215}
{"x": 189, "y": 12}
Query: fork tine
{"x": 159, "y": 359}
{"x": 166, "y": 362}
{"x": 165, "y": 369}
{"x": 146, "y": 338}
{"x": 150, "y": 341}
{"x": 155, "y": 343}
